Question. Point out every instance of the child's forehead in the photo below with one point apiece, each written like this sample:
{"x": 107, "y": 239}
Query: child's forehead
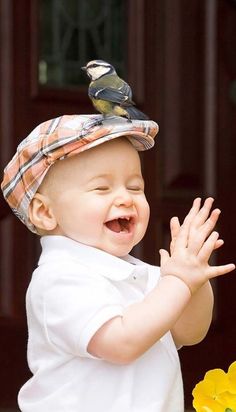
{"x": 118, "y": 156}
{"x": 110, "y": 150}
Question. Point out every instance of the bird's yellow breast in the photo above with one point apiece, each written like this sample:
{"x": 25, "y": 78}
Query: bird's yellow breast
{"x": 108, "y": 108}
{"x": 102, "y": 106}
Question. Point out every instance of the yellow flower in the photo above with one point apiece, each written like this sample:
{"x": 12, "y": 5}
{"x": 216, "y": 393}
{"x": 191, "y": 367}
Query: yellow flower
{"x": 229, "y": 399}
{"x": 232, "y": 377}
{"x": 208, "y": 393}
{"x": 217, "y": 392}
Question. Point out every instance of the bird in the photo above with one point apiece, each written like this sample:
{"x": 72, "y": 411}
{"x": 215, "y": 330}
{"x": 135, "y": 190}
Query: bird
{"x": 110, "y": 94}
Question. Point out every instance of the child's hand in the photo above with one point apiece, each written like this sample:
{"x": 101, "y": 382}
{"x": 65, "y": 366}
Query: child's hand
{"x": 192, "y": 245}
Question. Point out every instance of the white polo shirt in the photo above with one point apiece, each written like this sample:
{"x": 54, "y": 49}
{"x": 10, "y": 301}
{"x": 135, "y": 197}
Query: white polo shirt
{"x": 73, "y": 292}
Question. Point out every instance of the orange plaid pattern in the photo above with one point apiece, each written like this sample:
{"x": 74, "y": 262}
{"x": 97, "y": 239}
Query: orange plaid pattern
{"x": 56, "y": 139}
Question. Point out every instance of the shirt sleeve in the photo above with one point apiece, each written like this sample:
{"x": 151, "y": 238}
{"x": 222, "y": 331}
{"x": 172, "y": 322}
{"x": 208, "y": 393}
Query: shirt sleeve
{"x": 75, "y": 307}
{"x": 153, "y": 277}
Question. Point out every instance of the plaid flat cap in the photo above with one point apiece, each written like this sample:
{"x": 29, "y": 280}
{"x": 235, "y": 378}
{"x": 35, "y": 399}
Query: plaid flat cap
{"x": 57, "y": 139}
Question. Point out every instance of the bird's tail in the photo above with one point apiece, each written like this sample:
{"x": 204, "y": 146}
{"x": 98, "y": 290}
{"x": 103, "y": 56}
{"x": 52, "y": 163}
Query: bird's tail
{"x": 134, "y": 113}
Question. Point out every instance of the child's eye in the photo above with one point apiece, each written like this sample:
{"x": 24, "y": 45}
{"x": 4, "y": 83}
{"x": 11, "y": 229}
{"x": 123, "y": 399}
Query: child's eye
{"x": 101, "y": 188}
{"x": 135, "y": 188}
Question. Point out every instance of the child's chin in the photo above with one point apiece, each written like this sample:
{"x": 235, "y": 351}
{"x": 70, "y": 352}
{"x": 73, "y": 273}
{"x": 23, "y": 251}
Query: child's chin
{"x": 119, "y": 251}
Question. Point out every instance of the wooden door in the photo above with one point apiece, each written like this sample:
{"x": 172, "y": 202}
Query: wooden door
{"x": 178, "y": 59}
{"x": 194, "y": 72}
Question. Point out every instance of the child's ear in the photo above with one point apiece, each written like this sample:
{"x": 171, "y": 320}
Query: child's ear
{"x": 41, "y": 213}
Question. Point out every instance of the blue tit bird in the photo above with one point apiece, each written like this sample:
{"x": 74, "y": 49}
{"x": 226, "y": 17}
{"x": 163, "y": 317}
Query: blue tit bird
{"x": 110, "y": 94}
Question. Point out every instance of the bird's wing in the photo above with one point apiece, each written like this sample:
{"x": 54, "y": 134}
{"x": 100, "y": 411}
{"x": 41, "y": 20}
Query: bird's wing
{"x": 117, "y": 93}
{"x": 109, "y": 94}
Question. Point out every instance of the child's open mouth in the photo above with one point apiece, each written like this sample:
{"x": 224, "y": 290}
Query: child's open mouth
{"x": 121, "y": 224}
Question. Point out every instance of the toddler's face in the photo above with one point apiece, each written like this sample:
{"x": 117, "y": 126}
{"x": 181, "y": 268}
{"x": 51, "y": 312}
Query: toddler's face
{"x": 98, "y": 197}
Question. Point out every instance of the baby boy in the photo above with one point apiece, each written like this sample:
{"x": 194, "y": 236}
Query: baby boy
{"x": 103, "y": 325}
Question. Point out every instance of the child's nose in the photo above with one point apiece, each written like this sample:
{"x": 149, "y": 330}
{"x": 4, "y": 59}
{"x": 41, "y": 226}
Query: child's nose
{"x": 123, "y": 198}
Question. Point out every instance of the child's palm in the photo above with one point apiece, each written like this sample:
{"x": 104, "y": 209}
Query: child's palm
{"x": 191, "y": 247}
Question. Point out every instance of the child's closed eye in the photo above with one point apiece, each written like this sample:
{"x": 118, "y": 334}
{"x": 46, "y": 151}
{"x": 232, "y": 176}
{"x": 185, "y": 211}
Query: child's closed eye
{"x": 135, "y": 188}
{"x": 101, "y": 188}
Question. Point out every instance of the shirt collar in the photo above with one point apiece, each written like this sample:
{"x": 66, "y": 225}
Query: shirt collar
{"x": 105, "y": 264}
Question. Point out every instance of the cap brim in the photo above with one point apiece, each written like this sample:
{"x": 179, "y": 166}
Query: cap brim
{"x": 141, "y": 133}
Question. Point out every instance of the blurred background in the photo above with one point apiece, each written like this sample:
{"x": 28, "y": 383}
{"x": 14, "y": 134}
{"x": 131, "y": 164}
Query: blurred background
{"x": 179, "y": 56}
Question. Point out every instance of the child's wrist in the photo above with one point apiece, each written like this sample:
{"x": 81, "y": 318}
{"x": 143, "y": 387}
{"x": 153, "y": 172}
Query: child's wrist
{"x": 187, "y": 286}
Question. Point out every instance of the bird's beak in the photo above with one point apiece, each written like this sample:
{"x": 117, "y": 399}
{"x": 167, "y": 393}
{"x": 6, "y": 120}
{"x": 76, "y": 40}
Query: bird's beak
{"x": 84, "y": 68}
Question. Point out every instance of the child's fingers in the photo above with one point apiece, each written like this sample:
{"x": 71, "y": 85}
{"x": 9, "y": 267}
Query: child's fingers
{"x": 218, "y": 244}
{"x": 208, "y": 247}
{"x": 198, "y": 235}
{"x": 193, "y": 211}
{"x": 210, "y": 223}
{"x": 174, "y": 227}
{"x": 215, "y": 271}
{"x": 174, "y": 231}
{"x": 164, "y": 256}
{"x": 203, "y": 212}
{"x": 182, "y": 238}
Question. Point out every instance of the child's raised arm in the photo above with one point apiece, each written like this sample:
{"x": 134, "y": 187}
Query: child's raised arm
{"x": 175, "y": 302}
{"x": 195, "y": 320}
